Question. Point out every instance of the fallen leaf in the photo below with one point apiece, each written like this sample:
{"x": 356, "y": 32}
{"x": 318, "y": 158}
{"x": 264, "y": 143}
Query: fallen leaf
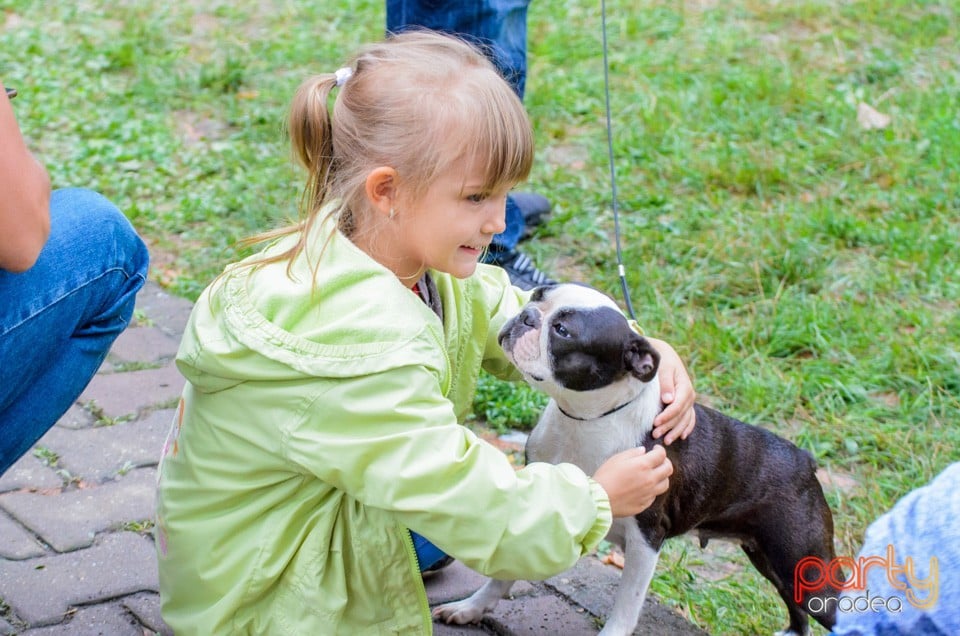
{"x": 837, "y": 480}
{"x": 613, "y": 557}
{"x": 871, "y": 119}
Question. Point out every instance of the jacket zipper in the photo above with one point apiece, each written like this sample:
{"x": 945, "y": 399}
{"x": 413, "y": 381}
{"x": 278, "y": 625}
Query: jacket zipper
{"x": 418, "y": 577}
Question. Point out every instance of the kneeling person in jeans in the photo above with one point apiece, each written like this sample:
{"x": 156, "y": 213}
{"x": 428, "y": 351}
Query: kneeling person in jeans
{"x": 70, "y": 268}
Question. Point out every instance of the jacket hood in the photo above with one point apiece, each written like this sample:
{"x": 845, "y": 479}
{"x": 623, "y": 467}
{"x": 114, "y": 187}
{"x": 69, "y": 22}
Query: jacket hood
{"x": 333, "y": 313}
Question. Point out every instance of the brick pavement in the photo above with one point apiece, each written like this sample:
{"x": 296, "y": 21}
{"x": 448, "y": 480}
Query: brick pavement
{"x": 76, "y": 553}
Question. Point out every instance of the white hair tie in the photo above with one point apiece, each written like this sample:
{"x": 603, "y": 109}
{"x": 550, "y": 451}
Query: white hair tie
{"x": 343, "y": 74}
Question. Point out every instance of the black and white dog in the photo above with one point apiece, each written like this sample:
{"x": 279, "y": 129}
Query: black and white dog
{"x": 731, "y": 480}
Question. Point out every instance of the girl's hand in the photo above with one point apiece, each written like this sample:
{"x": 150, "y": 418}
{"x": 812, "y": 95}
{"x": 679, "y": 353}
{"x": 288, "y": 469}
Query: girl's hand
{"x": 633, "y": 478}
{"x": 676, "y": 392}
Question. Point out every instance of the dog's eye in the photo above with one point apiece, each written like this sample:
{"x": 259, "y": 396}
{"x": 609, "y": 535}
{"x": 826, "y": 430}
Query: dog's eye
{"x": 560, "y": 330}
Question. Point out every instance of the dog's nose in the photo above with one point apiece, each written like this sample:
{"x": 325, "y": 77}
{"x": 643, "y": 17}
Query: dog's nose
{"x": 530, "y": 317}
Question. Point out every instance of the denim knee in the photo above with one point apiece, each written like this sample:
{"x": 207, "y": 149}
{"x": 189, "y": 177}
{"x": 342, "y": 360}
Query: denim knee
{"x": 109, "y": 239}
{"x": 64, "y": 313}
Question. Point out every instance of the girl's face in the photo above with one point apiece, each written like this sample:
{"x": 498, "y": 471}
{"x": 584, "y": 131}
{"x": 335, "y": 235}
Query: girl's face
{"x": 448, "y": 228}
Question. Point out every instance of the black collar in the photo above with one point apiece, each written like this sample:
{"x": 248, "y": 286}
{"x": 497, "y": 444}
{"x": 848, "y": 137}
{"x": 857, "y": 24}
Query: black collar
{"x": 587, "y": 419}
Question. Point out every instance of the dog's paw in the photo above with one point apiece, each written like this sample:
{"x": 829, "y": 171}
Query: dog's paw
{"x": 458, "y": 612}
{"x": 612, "y": 628}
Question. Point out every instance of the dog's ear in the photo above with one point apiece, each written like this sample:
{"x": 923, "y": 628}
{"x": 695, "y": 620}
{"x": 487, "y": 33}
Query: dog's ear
{"x": 640, "y": 358}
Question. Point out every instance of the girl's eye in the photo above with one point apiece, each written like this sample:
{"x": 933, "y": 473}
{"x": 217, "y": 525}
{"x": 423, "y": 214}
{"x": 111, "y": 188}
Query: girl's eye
{"x": 477, "y": 198}
{"x": 560, "y": 330}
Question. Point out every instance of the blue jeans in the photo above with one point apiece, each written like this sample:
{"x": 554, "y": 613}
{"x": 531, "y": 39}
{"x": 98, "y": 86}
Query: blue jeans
{"x": 428, "y": 554}
{"x": 920, "y": 533}
{"x": 59, "y": 318}
{"x": 499, "y": 27}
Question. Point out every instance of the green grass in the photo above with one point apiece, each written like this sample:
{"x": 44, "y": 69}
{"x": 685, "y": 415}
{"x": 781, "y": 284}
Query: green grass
{"x": 803, "y": 266}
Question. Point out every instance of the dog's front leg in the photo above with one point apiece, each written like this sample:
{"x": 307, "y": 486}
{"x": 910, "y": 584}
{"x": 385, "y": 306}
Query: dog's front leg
{"x": 472, "y": 608}
{"x": 639, "y": 562}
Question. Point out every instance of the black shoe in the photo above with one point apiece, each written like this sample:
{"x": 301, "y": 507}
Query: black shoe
{"x": 523, "y": 273}
{"x": 535, "y": 208}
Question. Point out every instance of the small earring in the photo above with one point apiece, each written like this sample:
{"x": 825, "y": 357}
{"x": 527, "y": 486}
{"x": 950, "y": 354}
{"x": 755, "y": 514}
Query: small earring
{"x": 392, "y": 214}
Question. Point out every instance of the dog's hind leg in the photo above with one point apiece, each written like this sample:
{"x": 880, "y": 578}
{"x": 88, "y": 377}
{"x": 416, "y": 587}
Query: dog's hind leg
{"x": 776, "y": 570}
{"x": 639, "y": 562}
{"x": 472, "y": 608}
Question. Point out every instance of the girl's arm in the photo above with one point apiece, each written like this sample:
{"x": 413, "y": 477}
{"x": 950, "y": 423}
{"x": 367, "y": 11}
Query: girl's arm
{"x": 391, "y": 441}
{"x": 25, "y": 198}
{"x": 676, "y": 392}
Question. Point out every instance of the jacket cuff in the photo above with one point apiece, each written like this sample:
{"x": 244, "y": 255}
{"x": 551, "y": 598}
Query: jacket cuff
{"x": 604, "y": 518}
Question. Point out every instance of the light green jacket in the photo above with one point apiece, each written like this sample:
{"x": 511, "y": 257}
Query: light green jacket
{"x": 317, "y": 425}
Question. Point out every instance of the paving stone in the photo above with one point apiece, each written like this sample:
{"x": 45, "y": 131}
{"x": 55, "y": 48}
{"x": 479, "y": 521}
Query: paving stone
{"x": 107, "y": 366}
{"x": 6, "y": 628}
{"x": 99, "y": 453}
{"x": 454, "y": 582}
{"x": 70, "y": 520}
{"x": 169, "y": 313}
{"x": 441, "y": 629}
{"x": 16, "y": 543}
{"x": 76, "y": 417}
{"x": 99, "y": 620}
{"x": 545, "y": 614}
{"x": 590, "y": 585}
{"x": 125, "y": 394}
{"x": 457, "y": 581}
{"x": 146, "y": 607}
{"x": 143, "y": 344}
{"x": 29, "y": 473}
{"x": 41, "y": 591}
{"x": 593, "y": 585}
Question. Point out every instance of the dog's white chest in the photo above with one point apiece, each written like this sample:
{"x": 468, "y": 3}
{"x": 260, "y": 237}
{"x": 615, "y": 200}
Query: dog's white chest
{"x": 584, "y": 443}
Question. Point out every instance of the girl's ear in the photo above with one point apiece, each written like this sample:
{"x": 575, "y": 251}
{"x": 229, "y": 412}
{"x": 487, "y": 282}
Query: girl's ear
{"x": 381, "y": 189}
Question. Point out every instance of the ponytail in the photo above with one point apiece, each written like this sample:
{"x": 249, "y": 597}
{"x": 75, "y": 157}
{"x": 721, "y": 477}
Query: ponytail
{"x": 311, "y": 141}
{"x": 311, "y": 138}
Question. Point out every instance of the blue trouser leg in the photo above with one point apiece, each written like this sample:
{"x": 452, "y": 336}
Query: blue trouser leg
{"x": 500, "y": 28}
{"x": 497, "y": 26}
{"x": 59, "y": 318}
{"x": 913, "y": 586}
{"x": 428, "y": 554}
{"x": 508, "y": 239}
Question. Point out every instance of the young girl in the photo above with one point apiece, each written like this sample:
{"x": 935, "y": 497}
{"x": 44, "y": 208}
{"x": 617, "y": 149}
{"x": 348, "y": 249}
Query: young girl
{"x": 326, "y": 376}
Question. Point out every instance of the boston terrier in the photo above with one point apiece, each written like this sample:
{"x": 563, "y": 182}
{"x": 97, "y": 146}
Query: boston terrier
{"x": 730, "y": 480}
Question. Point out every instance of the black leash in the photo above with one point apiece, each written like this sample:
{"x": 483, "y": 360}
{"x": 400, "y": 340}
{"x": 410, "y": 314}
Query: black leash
{"x": 621, "y": 271}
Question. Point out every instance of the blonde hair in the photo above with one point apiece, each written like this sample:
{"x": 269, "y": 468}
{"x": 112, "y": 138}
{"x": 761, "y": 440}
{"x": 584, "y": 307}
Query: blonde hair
{"x": 415, "y": 102}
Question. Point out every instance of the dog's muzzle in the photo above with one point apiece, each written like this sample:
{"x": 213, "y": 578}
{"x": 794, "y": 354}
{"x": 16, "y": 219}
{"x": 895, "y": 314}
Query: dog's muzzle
{"x": 520, "y": 337}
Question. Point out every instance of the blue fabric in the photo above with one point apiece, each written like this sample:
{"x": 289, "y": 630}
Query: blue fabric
{"x": 922, "y": 526}
{"x": 428, "y": 555}
{"x": 59, "y": 318}
{"x": 499, "y": 27}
